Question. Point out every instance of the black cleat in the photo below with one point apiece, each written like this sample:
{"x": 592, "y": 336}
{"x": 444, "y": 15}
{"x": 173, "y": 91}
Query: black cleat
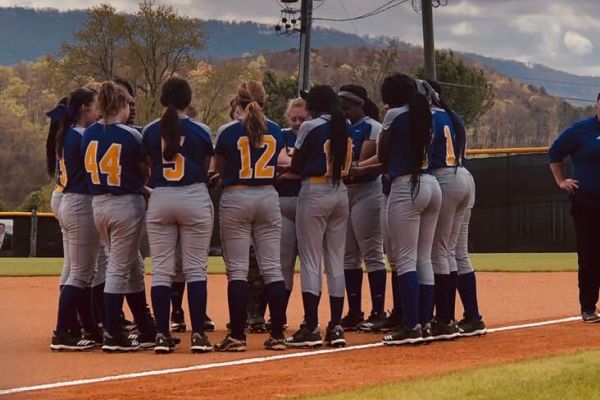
{"x": 305, "y": 338}
{"x": 394, "y": 322}
{"x": 275, "y": 344}
{"x": 178, "y": 321}
{"x": 209, "y": 326}
{"x": 200, "y": 343}
{"x": 441, "y": 331}
{"x": 121, "y": 343}
{"x": 404, "y": 336}
{"x": 350, "y": 322}
{"x": 163, "y": 344}
{"x": 69, "y": 342}
{"x": 231, "y": 344}
{"x": 334, "y": 337}
{"x": 473, "y": 327}
{"x": 374, "y": 323}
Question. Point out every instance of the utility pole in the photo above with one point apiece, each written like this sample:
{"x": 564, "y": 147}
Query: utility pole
{"x": 306, "y": 15}
{"x": 428, "y": 46}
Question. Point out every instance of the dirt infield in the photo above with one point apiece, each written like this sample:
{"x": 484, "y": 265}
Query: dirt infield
{"x": 28, "y": 310}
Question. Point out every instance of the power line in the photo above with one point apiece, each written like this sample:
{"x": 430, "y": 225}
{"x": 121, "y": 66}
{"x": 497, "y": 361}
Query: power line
{"x": 460, "y": 85}
{"x": 382, "y": 8}
{"x": 524, "y": 78}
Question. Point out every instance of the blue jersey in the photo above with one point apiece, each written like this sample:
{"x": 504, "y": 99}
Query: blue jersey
{"x": 314, "y": 140}
{"x": 396, "y": 123}
{"x": 288, "y": 187}
{"x": 112, "y": 155}
{"x": 188, "y": 166}
{"x": 72, "y": 175}
{"x": 246, "y": 164}
{"x": 365, "y": 129}
{"x": 443, "y": 147}
{"x": 581, "y": 141}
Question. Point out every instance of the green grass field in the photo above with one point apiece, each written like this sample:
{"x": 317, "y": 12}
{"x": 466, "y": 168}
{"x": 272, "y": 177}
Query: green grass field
{"x": 575, "y": 376}
{"x": 505, "y": 262}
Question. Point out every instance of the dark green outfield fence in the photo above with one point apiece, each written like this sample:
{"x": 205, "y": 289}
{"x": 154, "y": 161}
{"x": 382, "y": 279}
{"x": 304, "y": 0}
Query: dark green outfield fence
{"x": 518, "y": 209}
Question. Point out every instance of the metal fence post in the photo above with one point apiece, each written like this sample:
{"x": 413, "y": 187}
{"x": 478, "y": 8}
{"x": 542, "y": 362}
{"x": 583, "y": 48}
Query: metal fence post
{"x": 33, "y": 235}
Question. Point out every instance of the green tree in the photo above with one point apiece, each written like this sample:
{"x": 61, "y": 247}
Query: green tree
{"x": 97, "y": 44}
{"x": 160, "y": 43}
{"x": 465, "y": 89}
{"x": 280, "y": 90}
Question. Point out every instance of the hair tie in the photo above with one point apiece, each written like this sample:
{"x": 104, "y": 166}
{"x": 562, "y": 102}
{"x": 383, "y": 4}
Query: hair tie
{"x": 424, "y": 88}
{"x": 352, "y": 96}
{"x": 58, "y": 113}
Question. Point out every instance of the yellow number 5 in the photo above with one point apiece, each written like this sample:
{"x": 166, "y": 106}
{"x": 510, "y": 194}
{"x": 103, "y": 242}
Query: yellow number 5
{"x": 177, "y": 170}
{"x": 109, "y": 165}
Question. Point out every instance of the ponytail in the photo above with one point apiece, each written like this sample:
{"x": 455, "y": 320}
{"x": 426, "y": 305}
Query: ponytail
{"x": 396, "y": 91}
{"x": 322, "y": 99}
{"x": 56, "y": 115}
{"x": 251, "y": 97}
{"x": 176, "y": 95}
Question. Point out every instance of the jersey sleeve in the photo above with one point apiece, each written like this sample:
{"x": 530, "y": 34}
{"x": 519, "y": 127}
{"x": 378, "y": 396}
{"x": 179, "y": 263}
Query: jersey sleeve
{"x": 305, "y": 129}
{"x": 564, "y": 146}
{"x": 374, "y": 131}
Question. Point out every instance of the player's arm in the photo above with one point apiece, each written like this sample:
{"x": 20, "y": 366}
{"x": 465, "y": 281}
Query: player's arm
{"x": 558, "y": 171}
{"x": 563, "y": 147}
{"x": 369, "y": 166}
{"x": 368, "y": 150}
{"x": 383, "y": 148}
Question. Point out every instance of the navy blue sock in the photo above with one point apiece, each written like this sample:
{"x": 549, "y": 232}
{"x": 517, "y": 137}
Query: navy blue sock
{"x": 197, "y": 305}
{"x": 288, "y": 294}
{"x": 397, "y": 310}
{"x": 442, "y": 298}
{"x": 377, "y": 287}
{"x": 408, "y": 285}
{"x": 426, "y": 294}
{"x": 70, "y": 297}
{"x": 137, "y": 304}
{"x": 177, "y": 289}
{"x": 276, "y": 297}
{"x": 113, "y": 305}
{"x": 85, "y": 309}
{"x": 354, "y": 278}
{"x": 161, "y": 305}
{"x": 467, "y": 289}
{"x": 311, "y": 310}
{"x": 453, "y": 286}
{"x": 336, "y": 306}
{"x": 98, "y": 302}
{"x": 73, "y": 324}
{"x": 237, "y": 298}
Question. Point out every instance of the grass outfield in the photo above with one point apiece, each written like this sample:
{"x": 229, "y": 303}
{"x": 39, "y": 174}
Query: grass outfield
{"x": 574, "y": 376}
{"x": 491, "y": 262}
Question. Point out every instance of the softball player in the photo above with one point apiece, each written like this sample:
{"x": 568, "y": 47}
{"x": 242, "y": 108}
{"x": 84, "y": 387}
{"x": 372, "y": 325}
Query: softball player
{"x": 247, "y": 153}
{"x": 76, "y": 219}
{"x": 288, "y": 190}
{"x": 322, "y": 157}
{"x": 179, "y": 151}
{"x": 115, "y": 166}
{"x": 450, "y": 243}
{"x": 413, "y": 204}
{"x": 364, "y": 239}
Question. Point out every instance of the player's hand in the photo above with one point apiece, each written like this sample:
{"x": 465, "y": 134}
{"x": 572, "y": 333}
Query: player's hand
{"x": 569, "y": 185}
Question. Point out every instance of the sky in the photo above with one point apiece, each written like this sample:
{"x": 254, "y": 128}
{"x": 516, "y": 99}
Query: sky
{"x": 562, "y": 34}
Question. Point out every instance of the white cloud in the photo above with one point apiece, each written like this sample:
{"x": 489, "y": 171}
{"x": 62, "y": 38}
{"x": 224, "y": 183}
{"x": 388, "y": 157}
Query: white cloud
{"x": 577, "y": 43}
{"x": 462, "y": 29}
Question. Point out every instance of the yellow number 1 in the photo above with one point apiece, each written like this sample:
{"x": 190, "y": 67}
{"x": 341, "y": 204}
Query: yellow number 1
{"x": 450, "y": 156}
{"x": 329, "y": 158}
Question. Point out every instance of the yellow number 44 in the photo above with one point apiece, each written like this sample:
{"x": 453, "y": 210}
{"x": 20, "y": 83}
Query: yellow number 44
{"x": 109, "y": 164}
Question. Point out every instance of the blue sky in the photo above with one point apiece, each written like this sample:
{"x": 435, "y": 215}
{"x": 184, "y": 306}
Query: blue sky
{"x": 563, "y": 34}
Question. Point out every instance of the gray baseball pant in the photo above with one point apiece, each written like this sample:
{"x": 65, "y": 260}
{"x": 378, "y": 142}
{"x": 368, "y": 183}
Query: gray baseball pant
{"x": 364, "y": 239}
{"x": 289, "y": 243}
{"x": 181, "y": 214}
{"x": 456, "y": 196}
{"x": 77, "y": 218}
{"x": 55, "y": 201}
{"x": 251, "y": 215}
{"x": 411, "y": 225}
{"x": 321, "y": 223}
{"x": 120, "y": 220}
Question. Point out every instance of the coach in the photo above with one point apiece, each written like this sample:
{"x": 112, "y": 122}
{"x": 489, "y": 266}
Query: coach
{"x": 581, "y": 142}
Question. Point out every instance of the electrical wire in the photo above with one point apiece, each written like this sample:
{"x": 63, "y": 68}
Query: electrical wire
{"x": 382, "y": 8}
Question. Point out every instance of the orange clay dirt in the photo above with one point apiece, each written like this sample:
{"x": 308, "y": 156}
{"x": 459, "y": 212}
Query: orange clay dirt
{"x": 28, "y": 312}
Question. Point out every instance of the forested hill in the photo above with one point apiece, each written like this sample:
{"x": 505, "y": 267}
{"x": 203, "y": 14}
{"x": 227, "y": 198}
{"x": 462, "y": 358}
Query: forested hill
{"x": 27, "y": 34}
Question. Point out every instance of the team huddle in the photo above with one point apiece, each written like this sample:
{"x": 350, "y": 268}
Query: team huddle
{"x": 333, "y": 190}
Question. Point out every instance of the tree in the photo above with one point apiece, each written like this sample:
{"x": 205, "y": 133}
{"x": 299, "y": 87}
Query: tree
{"x": 465, "y": 89}
{"x": 160, "y": 41}
{"x": 280, "y": 91}
{"x": 97, "y": 44}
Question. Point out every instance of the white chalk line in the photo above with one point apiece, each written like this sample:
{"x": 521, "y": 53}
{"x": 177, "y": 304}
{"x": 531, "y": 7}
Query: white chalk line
{"x": 245, "y": 361}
